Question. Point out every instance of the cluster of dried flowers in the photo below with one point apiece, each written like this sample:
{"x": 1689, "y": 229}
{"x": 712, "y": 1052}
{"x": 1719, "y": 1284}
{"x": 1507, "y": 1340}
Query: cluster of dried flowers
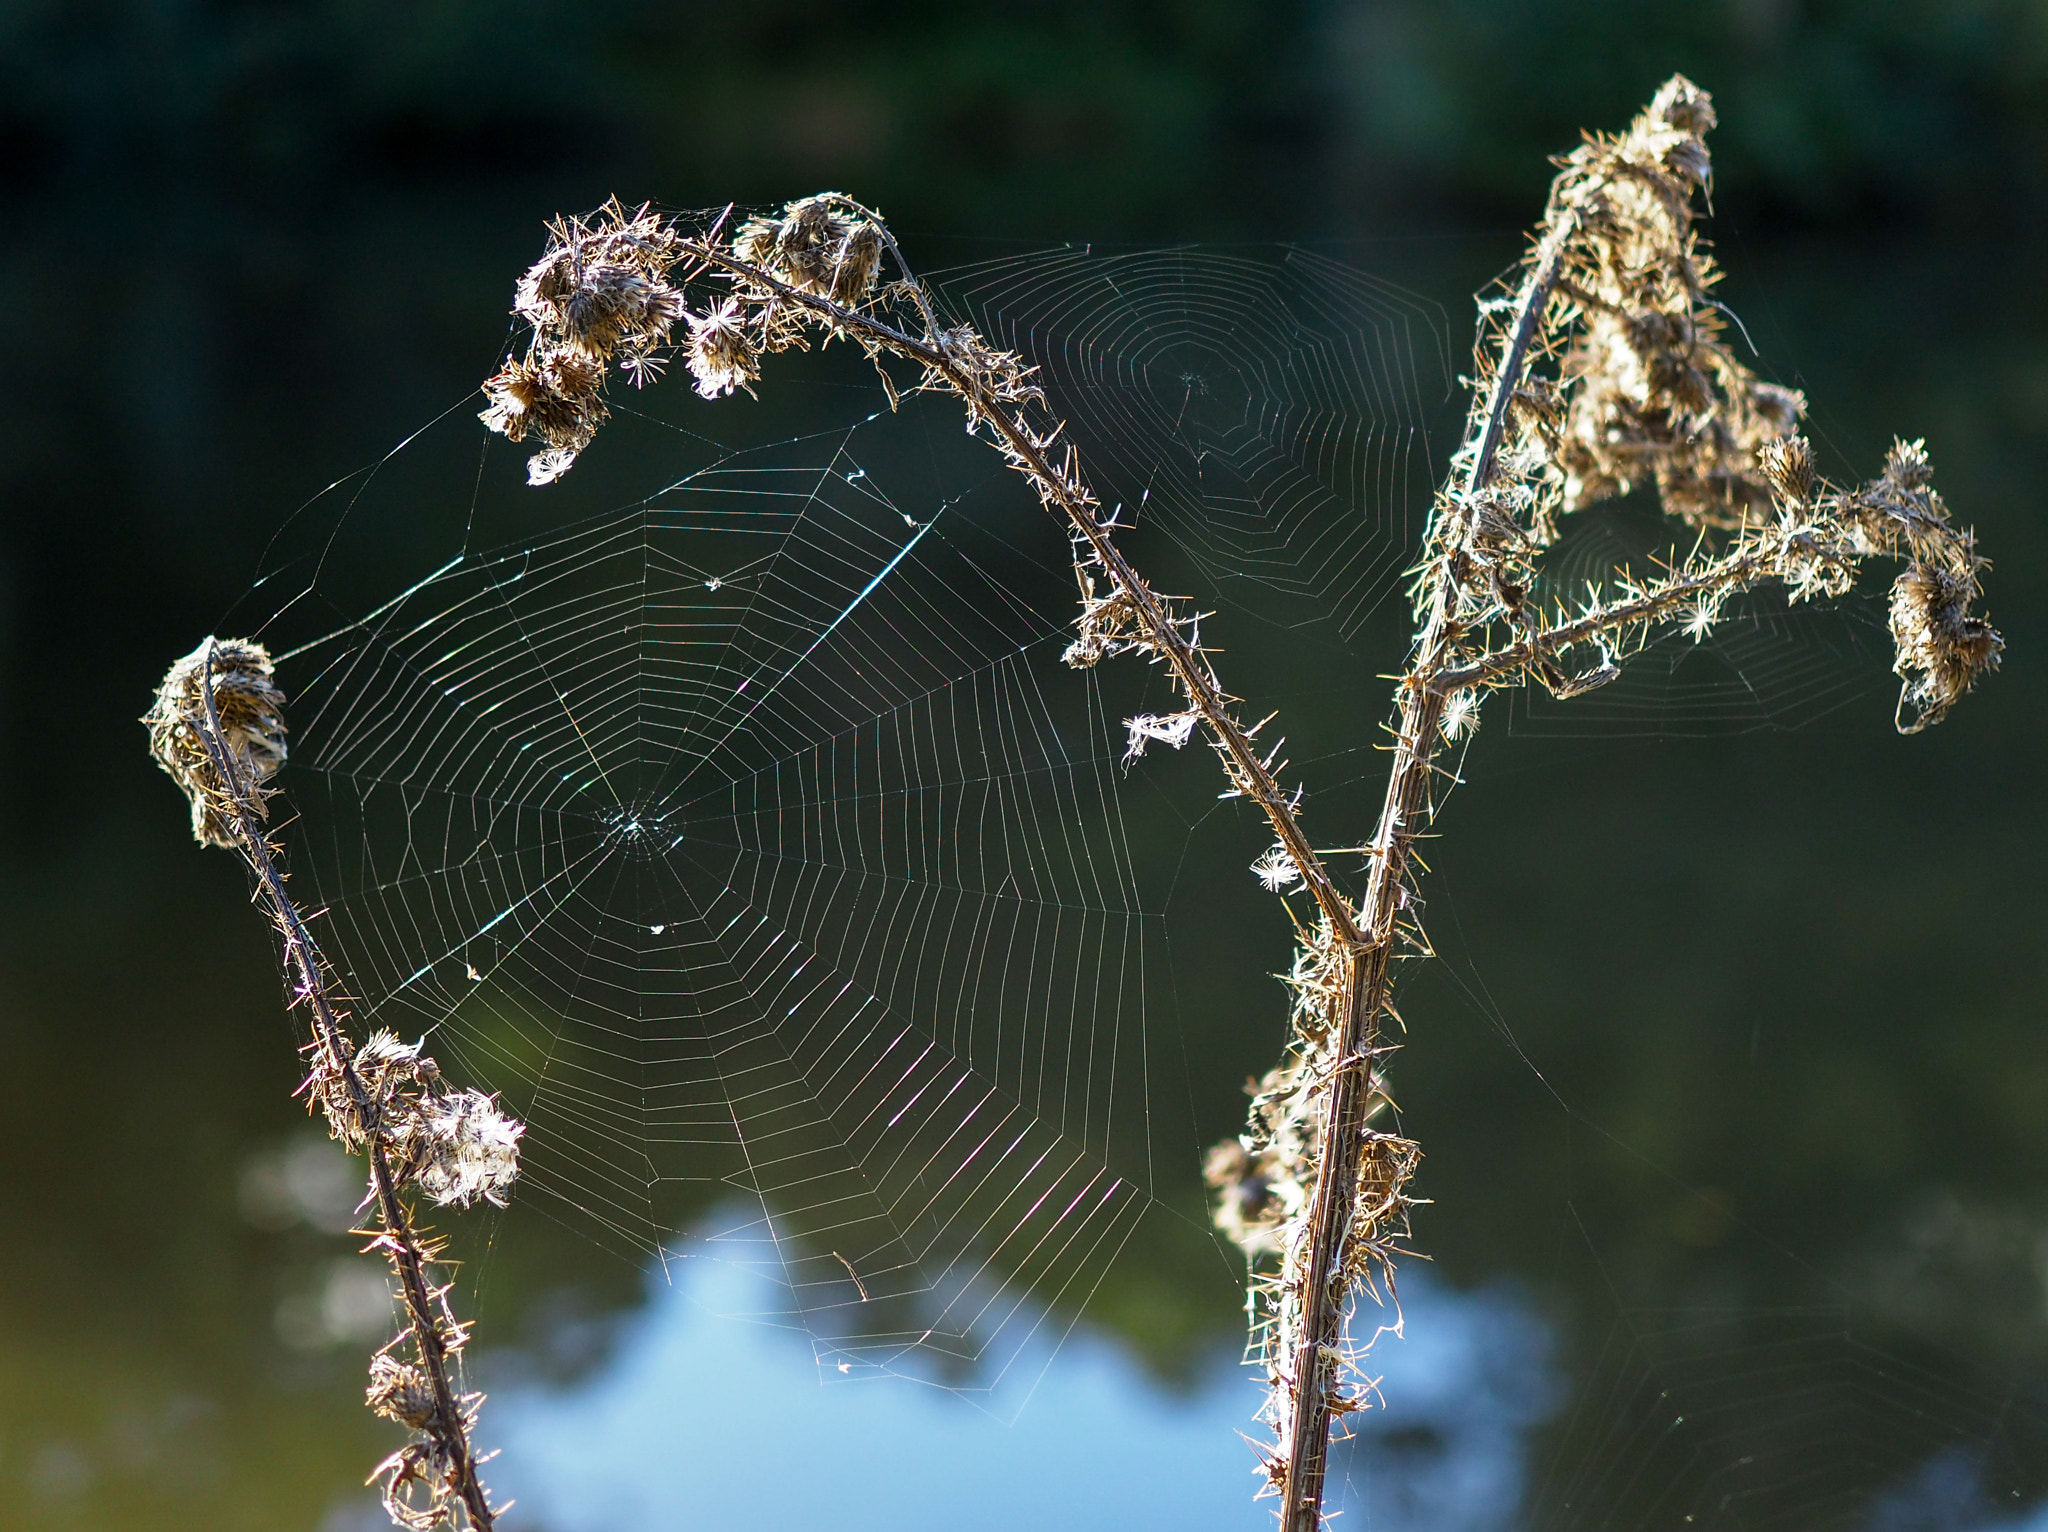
{"x": 217, "y": 726}
{"x": 1601, "y": 368}
{"x": 1617, "y": 293}
{"x": 602, "y": 286}
{"x": 601, "y": 293}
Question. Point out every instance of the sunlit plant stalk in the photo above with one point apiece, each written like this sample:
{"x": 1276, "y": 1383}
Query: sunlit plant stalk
{"x": 218, "y": 728}
{"x": 1599, "y": 368}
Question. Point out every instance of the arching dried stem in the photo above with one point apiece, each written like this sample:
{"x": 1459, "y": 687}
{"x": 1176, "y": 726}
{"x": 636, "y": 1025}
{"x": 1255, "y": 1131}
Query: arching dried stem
{"x": 217, "y": 727}
{"x": 811, "y": 269}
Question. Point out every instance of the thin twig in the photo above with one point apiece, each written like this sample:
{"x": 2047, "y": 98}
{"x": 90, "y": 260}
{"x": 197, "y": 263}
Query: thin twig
{"x": 448, "y": 1427}
{"x": 414, "y": 1129}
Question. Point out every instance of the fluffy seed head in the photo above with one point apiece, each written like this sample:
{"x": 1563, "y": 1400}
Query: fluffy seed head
{"x": 721, "y": 357}
{"x": 1461, "y": 715}
{"x": 250, "y": 709}
{"x": 1276, "y": 870}
{"x": 1174, "y": 730}
{"x": 466, "y": 1148}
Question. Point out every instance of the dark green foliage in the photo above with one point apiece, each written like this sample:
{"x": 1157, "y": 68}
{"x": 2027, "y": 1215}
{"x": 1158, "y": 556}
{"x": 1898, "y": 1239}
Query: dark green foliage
{"x": 1133, "y": 117}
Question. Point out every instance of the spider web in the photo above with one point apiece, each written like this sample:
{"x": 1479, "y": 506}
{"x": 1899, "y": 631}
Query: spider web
{"x": 750, "y": 838}
{"x": 1783, "y": 1419}
{"x": 1268, "y": 417}
{"x": 734, "y": 838}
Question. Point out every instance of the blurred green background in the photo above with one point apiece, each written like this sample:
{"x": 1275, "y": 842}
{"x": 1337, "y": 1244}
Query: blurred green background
{"x": 1742, "y": 1024}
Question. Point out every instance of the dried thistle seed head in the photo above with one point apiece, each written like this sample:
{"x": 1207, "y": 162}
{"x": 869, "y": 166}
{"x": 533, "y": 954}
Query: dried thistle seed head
{"x": 854, "y": 266}
{"x": 615, "y": 304}
{"x": 457, "y": 1144}
{"x": 603, "y": 278}
{"x": 721, "y": 355}
{"x": 400, "y": 1391}
{"x": 1788, "y": 466}
{"x": 754, "y": 241}
{"x": 465, "y": 1148}
{"x": 392, "y": 1074}
{"x": 250, "y": 711}
{"x": 815, "y": 247}
{"x": 1674, "y": 127}
{"x": 1907, "y": 468}
{"x": 386, "y": 1057}
{"x": 553, "y": 393}
{"x": 1942, "y": 648}
{"x": 807, "y": 242}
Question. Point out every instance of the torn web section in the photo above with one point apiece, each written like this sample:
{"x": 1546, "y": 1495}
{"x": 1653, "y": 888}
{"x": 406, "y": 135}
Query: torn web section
{"x": 1265, "y": 411}
{"x": 754, "y": 844}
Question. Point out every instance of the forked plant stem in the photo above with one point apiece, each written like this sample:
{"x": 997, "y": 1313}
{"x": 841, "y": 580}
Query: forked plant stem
{"x": 1318, "y": 1361}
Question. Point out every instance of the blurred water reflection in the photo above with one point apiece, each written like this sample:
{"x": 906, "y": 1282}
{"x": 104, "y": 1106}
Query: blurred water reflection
{"x": 700, "y": 1418}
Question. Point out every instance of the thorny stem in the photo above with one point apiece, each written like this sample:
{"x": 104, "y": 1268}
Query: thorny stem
{"x": 1350, "y": 1100}
{"x": 1196, "y": 679}
{"x": 1731, "y": 573}
{"x": 397, "y": 1236}
{"x": 1348, "y": 1106}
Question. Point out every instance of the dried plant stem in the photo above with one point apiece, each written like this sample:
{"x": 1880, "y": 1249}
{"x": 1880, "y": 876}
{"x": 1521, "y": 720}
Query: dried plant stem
{"x": 1352, "y": 1097}
{"x": 1318, "y": 1362}
{"x": 447, "y": 1422}
{"x": 1613, "y": 296}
